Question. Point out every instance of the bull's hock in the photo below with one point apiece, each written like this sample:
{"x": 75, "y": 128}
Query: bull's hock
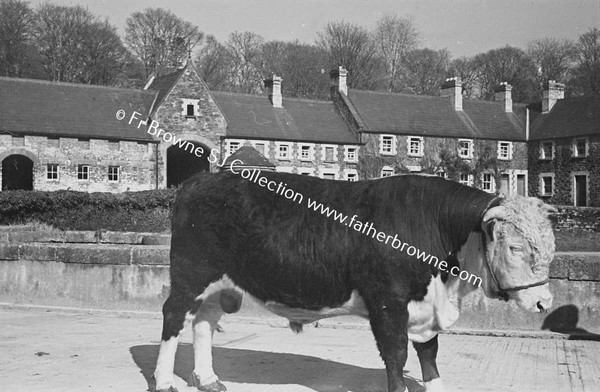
{"x": 130, "y": 271}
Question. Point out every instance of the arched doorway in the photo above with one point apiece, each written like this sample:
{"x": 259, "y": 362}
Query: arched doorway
{"x": 182, "y": 162}
{"x": 17, "y": 173}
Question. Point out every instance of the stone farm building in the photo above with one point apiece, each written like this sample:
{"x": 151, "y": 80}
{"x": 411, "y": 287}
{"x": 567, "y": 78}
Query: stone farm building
{"x": 92, "y": 138}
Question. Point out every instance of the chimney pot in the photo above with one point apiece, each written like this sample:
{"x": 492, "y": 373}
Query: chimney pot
{"x": 452, "y": 88}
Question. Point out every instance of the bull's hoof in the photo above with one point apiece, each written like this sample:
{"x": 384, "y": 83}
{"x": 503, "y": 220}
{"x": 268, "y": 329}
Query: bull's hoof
{"x": 171, "y": 389}
{"x": 216, "y": 386}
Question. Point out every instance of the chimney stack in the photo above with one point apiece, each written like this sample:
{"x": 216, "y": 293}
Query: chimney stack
{"x": 274, "y": 87}
{"x": 503, "y": 95}
{"x": 338, "y": 80}
{"x": 452, "y": 88}
{"x": 553, "y": 91}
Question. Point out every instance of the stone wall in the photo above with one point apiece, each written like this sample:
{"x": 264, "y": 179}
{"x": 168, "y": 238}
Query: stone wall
{"x": 577, "y": 218}
{"x": 136, "y": 161}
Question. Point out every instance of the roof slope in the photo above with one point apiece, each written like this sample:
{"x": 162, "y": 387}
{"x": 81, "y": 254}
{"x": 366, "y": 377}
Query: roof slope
{"x": 37, "y": 107}
{"x": 435, "y": 116}
{"x": 569, "y": 117}
{"x": 253, "y": 117}
{"x": 249, "y": 157}
{"x": 164, "y": 84}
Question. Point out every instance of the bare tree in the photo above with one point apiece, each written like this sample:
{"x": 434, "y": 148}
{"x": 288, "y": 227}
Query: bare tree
{"x": 586, "y": 75}
{"x": 507, "y": 64}
{"x": 16, "y": 49}
{"x": 160, "y": 39}
{"x": 351, "y": 46}
{"x": 212, "y": 62}
{"x": 76, "y": 46}
{"x": 467, "y": 70}
{"x": 394, "y": 38}
{"x": 426, "y": 70}
{"x": 246, "y": 61}
{"x": 553, "y": 57}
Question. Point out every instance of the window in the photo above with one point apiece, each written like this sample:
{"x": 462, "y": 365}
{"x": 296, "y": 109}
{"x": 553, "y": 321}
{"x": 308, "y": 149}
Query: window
{"x": 83, "y": 172}
{"x": 190, "y": 107}
{"x": 505, "y": 150}
{"x": 283, "y": 152}
{"x": 351, "y": 177}
{"x": 487, "y": 182}
{"x": 329, "y": 154}
{"x": 114, "y": 145}
{"x": 350, "y": 154}
{"x": 415, "y": 146}
{"x": 328, "y": 176}
{"x": 465, "y": 179}
{"x": 52, "y": 171}
{"x": 442, "y": 174}
{"x": 465, "y": 148}
{"x": 387, "y": 144}
{"x": 18, "y": 140}
{"x": 580, "y": 148}
{"x": 306, "y": 171}
{"x": 546, "y": 150}
{"x": 306, "y": 152}
{"x": 113, "y": 173}
{"x": 387, "y": 171}
{"x": 233, "y": 146}
{"x": 546, "y": 184}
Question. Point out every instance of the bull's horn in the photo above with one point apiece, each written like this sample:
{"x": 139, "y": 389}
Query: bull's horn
{"x": 498, "y": 212}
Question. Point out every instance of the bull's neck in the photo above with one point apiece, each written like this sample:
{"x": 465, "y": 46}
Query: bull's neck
{"x": 471, "y": 258}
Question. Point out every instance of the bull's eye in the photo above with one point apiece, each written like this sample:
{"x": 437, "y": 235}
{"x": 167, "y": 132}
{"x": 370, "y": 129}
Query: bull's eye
{"x": 516, "y": 248}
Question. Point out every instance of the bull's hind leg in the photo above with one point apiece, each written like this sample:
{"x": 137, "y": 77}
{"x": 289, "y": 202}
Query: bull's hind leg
{"x": 174, "y": 316}
{"x": 427, "y": 353}
{"x": 214, "y": 304}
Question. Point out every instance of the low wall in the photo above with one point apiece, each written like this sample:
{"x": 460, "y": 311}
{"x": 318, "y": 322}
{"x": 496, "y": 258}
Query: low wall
{"x": 129, "y": 271}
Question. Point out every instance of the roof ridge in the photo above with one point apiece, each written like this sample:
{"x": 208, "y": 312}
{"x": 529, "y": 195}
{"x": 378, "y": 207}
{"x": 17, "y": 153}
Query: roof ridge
{"x": 233, "y": 93}
{"x": 68, "y": 84}
{"x": 396, "y": 94}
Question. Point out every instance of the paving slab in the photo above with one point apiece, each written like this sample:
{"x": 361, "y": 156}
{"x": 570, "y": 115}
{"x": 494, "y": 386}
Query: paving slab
{"x": 51, "y": 350}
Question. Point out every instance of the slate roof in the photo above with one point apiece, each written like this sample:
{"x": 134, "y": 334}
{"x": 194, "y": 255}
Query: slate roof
{"x": 164, "y": 84}
{"x": 37, "y": 107}
{"x": 250, "y": 157}
{"x": 420, "y": 115}
{"x": 253, "y": 117}
{"x": 569, "y": 117}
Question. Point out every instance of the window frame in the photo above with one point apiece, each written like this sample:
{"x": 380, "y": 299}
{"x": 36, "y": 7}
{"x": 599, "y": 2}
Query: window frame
{"x": 492, "y": 182}
{"x": 230, "y": 143}
{"x": 468, "y": 182}
{"x": 53, "y": 172}
{"x": 334, "y": 157}
{"x": 118, "y": 173}
{"x": 542, "y": 185}
{"x": 311, "y": 152}
{"x": 575, "y": 149}
{"x": 387, "y": 169}
{"x": 83, "y": 173}
{"x": 346, "y": 154}
{"x": 509, "y": 152}
{"x": 289, "y": 151}
{"x": 392, "y": 151}
{"x": 420, "y": 147}
{"x": 542, "y": 151}
{"x": 186, "y": 102}
{"x": 469, "y": 154}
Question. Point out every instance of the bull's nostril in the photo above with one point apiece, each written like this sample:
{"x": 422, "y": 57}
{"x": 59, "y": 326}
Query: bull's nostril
{"x": 541, "y": 307}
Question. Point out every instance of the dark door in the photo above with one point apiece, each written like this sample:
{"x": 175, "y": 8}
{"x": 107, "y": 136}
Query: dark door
{"x": 17, "y": 173}
{"x": 182, "y": 163}
{"x": 521, "y": 184}
{"x": 581, "y": 191}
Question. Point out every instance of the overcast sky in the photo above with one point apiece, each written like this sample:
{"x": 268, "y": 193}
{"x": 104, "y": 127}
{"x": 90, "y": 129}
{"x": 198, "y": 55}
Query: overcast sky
{"x": 465, "y": 27}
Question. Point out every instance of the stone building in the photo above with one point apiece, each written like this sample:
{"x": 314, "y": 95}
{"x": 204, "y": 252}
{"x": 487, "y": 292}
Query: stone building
{"x": 474, "y": 142}
{"x": 564, "y": 148}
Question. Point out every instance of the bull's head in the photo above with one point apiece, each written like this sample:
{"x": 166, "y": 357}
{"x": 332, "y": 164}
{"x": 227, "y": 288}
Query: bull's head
{"x": 519, "y": 249}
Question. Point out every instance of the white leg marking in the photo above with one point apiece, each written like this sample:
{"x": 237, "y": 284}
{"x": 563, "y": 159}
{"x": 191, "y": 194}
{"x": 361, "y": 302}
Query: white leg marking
{"x": 207, "y": 320}
{"x": 165, "y": 363}
{"x": 434, "y": 385}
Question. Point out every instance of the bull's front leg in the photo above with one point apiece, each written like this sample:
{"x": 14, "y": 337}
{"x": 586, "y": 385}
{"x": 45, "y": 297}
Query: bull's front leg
{"x": 427, "y": 353}
{"x": 389, "y": 325}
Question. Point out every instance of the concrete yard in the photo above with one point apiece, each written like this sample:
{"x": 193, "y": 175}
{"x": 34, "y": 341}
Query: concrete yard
{"x": 54, "y": 350}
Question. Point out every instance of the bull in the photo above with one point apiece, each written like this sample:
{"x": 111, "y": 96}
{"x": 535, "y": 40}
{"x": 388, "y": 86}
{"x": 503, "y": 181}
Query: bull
{"x": 232, "y": 236}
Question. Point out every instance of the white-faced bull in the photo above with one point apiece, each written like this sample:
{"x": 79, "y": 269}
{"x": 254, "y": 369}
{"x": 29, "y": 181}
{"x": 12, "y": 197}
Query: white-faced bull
{"x": 231, "y": 236}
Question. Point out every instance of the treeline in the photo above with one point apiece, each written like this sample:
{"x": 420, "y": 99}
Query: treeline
{"x": 69, "y": 43}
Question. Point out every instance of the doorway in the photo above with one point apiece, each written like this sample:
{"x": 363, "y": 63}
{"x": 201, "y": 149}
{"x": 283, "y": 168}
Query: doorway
{"x": 17, "y": 173}
{"x": 182, "y": 163}
{"x": 580, "y": 184}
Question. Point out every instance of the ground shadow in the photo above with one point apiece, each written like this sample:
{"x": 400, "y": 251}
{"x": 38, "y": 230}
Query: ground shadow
{"x": 260, "y": 367}
{"x": 564, "y": 320}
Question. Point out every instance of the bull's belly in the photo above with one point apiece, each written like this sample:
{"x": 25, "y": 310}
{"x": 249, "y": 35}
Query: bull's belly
{"x": 426, "y": 318}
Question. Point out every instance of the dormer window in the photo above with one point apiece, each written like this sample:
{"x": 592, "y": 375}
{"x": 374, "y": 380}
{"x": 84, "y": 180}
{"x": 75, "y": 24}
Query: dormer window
{"x": 190, "y": 108}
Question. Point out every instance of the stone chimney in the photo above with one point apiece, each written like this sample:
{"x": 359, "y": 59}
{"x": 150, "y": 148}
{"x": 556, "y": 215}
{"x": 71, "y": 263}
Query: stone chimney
{"x": 553, "y": 91}
{"x": 452, "y": 88}
{"x": 273, "y": 85}
{"x": 338, "y": 80}
{"x": 503, "y": 95}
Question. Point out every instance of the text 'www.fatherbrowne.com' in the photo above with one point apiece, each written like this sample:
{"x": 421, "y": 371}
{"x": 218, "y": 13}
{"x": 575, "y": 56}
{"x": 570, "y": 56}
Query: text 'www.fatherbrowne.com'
{"x": 366, "y": 228}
